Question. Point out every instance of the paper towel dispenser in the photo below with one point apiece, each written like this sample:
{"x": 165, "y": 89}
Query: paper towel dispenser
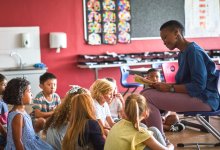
{"x": 58, "y": 40}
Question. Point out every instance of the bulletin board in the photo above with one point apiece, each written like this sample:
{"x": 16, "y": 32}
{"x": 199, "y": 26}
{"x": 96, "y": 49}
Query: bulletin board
{"x": 107, "y": 21}
{"x": 149, "y": 15}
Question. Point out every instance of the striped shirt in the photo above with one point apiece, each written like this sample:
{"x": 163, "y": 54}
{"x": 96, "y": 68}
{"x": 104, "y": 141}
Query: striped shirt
{"x": 40, "y": 102}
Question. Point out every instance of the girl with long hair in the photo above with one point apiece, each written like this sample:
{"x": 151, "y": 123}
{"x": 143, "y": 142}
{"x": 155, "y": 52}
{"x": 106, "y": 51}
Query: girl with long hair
{"x": 128, "y": 134}
{"x": 56, "y": 125}
{"x": 84, "y": 131}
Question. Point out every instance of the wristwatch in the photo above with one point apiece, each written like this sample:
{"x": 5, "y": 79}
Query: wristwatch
{"x": 172, "y": 88}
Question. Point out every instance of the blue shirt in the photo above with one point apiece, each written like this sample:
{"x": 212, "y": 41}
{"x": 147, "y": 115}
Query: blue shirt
{"x": 197, "y": 72}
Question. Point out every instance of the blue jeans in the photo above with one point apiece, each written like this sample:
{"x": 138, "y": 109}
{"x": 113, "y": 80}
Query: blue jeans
{"x": 157, "y": 135}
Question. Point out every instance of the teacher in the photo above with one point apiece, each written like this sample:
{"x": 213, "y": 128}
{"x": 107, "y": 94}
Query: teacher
{"x": 196, "y": 79}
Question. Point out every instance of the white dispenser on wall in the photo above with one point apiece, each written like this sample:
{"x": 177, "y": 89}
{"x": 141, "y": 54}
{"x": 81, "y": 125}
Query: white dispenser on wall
{"x": 25, "y": 39}
{"x": 58, "y": 40}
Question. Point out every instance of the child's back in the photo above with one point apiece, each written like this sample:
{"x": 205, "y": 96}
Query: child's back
{"x": 29, "y": 139}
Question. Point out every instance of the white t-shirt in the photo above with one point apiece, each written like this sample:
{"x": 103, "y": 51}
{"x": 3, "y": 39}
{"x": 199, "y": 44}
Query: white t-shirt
{"x": 101, "y": 111}
{"x": 115, "y": 106}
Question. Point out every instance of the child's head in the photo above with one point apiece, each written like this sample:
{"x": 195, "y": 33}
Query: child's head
{"x": 171, "y": 33}
{"x": 82, "y": 111}
{"x": 62, "y": 114}
{"x": 18, "y": 92}
{"x": 136, "y": 109}
{"x": 153, "y": 75}
{"x": 102, "y": 90}
{"x": 3, "y": 83}
{"x": 48, "y": 83}
{"x": 114, "y": 82}
{"x": 82, "y": 107}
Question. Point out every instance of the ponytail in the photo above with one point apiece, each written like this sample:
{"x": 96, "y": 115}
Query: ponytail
{"x": 135, "y": 105}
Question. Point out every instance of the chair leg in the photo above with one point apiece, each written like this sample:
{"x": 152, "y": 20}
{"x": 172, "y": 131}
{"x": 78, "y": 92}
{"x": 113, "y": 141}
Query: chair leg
{"x": 194, "y": 125}
{"x": 209, "y": 128}
{"x": 197, "y": 144}
{"x": 134, "y": 89}
{"x": 126, "y": 92}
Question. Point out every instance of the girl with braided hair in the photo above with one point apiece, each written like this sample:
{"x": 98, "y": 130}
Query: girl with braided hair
{"x": 56, "y": 125}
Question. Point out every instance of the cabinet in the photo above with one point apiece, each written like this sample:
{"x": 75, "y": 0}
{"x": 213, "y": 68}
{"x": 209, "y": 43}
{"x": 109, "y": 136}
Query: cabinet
{"x": 31, "y": 75}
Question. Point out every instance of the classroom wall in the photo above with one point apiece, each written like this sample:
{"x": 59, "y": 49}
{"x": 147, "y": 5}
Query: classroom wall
{"x": 67, "y": 16}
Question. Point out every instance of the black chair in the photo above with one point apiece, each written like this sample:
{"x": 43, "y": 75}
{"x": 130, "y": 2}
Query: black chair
{"x": 124, "y": 75}
{"x": 203, "y": 119}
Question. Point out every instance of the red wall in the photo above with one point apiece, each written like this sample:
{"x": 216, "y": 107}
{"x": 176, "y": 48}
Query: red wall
{"x": 67, "y": 16}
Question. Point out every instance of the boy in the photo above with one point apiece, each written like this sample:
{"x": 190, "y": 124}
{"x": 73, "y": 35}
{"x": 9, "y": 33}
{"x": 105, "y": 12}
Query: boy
{"x": 153, "y": 75}
{"x": 3, "y": 113}
{"x": 170, "y": 119}
{"x": 46, "y": 101}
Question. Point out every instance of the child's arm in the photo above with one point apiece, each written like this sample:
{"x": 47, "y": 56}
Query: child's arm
{"x": 120, "y": 97}
{"x": 17, "y": 125}
{"x": 153, "y": 144}
{"x": 39, "y": 113}
{"x": 110, "y": 121}
{"x": 102, "y": 124}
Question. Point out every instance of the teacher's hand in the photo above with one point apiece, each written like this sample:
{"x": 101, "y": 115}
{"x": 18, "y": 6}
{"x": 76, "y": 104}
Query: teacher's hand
{"x": 163, "y": 87}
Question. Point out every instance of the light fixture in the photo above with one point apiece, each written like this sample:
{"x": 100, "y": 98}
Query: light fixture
{"x": 58, "y": 40}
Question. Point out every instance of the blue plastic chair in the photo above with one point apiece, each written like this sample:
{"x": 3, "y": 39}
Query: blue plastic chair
{"x": 203, "y": 119}
{"x": 124, "y": 75}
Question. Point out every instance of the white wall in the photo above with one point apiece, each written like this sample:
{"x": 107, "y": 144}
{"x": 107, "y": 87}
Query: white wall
{"x": 11, "y": 40}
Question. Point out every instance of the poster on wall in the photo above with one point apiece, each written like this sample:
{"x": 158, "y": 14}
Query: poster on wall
{"x": 202, "y": 18}
{"x": 107, "y": 21}
{"x": 124, "y": 21}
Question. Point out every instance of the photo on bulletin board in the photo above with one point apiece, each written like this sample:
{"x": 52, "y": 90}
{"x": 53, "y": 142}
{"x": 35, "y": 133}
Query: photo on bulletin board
{"x": 107, "y": 21}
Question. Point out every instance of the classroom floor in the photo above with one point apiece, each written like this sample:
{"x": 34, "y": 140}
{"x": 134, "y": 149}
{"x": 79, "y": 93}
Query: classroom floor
{"x": 192, "y": 135}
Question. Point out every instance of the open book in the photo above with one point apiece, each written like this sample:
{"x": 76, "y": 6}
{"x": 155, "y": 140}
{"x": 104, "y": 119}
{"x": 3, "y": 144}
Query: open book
{"x": 142, "y": 80}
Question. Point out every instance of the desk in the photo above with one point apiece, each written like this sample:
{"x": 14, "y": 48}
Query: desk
{"x": 100, "y": 66}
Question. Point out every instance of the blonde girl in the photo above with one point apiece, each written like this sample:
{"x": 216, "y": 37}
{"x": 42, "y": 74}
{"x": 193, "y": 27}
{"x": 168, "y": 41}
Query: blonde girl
{"x": 56, "y": 125}
{"x": 102, "y": 91}
{"x": 83, "y": 130}
{"x": 127, "y": 134}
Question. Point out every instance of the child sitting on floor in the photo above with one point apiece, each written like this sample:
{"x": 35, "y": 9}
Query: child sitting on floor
{"x": 20, "y": 132}
{"x": 116, "y": 103}
{"x": 127, "y": 133}
{"x": 3, "y": 113}
{"x": 56, "y": 125}
{"x": 46, "y": 101}
{"x": 170, "y": 119}
{"x": 102, "y": 91}
{"x": 84, "y": 132}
